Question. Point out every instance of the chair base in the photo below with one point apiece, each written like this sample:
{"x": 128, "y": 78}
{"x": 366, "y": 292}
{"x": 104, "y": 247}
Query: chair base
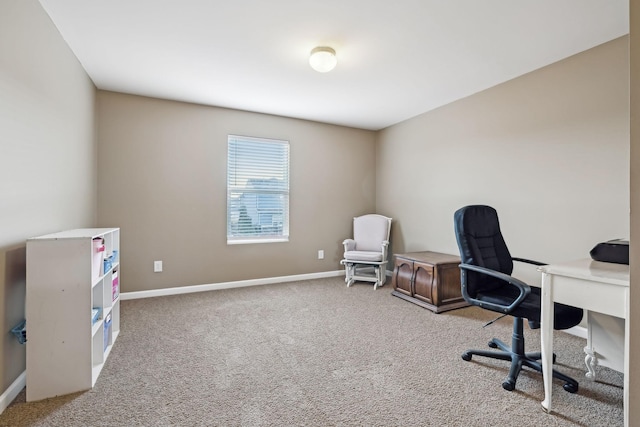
{"x": 352, "y": 275}
{"x": 519, "y": 358}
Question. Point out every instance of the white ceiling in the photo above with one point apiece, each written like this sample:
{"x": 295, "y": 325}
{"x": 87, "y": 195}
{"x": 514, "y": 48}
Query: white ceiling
{"x": 396, "y": 59}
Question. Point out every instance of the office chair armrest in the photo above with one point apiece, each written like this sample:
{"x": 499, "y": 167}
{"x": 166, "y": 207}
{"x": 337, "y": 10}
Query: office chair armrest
{"x": 528, "y": 261}
{"x": 349, "y": 245}
{"x": 525, "y": 289}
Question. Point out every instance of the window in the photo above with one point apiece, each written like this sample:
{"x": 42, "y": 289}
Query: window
{"x": 257, "y": 190}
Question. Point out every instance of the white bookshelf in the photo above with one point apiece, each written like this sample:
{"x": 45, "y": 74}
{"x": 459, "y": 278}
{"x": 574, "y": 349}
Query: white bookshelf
{"x": 66, "y": 350}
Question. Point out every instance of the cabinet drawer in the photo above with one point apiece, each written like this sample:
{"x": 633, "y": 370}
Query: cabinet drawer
{"x": 450, "y": 290}
{"x": 423, "y": 282}
{"x": 402, "y": 276}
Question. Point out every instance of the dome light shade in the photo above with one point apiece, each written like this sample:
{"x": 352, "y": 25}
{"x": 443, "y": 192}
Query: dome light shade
{"x": 323, "y": 59}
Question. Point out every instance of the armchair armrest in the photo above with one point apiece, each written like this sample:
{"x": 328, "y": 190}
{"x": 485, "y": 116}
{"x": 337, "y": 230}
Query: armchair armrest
{"x": 349, "y": 245}
{"x": 385, "y": 246}
{"x": 525, "y": 289}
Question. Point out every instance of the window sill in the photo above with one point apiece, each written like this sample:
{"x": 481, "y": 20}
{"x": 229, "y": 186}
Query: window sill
{"x": 252, "y": 241}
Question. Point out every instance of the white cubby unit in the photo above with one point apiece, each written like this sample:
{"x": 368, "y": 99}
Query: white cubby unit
{"x": 73, "y": 309}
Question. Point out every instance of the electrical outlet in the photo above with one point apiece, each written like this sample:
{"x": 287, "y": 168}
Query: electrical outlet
{"x": 320, "y": 254}
{"x": 157, "y": 266}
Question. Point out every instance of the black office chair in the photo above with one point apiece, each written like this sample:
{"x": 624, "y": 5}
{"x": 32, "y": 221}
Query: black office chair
{"x": 487, "y": 282}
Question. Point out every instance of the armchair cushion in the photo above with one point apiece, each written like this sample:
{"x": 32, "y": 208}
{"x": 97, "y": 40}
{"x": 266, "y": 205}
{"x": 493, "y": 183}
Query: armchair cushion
{"x": 369, "y": 231}
{"x": 364, "y": 256}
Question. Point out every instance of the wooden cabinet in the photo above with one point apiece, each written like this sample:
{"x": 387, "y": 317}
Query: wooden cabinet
{"x": 73, "y": 309}
{"x": 429, "y": 279}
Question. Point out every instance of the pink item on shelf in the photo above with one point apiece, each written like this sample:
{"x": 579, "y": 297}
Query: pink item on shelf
{"x": 97, "y": 257}
{"x": 115, "y": 285}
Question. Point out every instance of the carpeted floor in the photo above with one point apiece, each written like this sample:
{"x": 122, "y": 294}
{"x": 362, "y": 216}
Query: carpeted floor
{"x": 316, "y": 353}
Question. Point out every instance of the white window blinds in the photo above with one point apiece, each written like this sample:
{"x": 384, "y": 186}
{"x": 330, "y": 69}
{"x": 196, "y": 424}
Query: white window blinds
{"x": 257, "y": 190}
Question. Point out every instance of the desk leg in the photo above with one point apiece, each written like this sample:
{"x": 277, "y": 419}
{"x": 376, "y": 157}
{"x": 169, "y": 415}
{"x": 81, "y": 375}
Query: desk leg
{"x": 546, "y": 334}
{"x": 591, "y": 360}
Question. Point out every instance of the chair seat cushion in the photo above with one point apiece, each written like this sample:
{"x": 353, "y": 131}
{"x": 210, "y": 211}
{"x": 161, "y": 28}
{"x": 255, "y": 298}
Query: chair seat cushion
{"x": 365, "y": 256}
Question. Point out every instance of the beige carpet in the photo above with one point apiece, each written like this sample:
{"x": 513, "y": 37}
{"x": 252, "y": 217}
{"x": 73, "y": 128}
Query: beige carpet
{"x": 316, "y": 353}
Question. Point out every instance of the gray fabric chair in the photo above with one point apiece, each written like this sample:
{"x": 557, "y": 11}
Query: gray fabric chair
{"x": 367, "y": 250}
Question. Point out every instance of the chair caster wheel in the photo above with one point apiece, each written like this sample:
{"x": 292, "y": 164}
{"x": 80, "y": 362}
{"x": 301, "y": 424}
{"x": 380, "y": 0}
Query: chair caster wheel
{"x": 466, "y": 356}
{"x": 571, "y": 388}
{"x": 509, "y": 385}
{"x": 492, "y": 344}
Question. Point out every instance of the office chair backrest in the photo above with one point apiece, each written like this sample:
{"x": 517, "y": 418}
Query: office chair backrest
{"x": 481, "y": 243}
{"x": 370, "y": 230}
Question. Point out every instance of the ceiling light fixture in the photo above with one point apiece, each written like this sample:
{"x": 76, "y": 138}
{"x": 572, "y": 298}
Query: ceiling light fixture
{"x": 323, "y": 59}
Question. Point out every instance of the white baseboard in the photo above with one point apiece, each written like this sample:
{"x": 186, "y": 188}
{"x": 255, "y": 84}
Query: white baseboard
{"x": 16, "y": 387}
{"x": 227, "y": 285}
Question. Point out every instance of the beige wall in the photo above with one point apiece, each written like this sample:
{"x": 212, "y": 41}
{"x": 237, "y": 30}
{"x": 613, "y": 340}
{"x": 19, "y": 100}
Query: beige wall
{"x": 549, "y": 150}
{"x": 47, "y": 154}
{"x": 162, "y": 180}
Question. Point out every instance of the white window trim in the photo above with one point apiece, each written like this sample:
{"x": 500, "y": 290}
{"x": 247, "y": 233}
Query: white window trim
{"x": 254, "y": 239}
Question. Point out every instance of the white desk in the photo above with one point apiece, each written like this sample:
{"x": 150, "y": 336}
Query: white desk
{"x": 597, "y": 287}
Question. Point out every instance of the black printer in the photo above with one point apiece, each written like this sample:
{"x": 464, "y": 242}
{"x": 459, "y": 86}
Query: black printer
{"x": 616, "y": 251}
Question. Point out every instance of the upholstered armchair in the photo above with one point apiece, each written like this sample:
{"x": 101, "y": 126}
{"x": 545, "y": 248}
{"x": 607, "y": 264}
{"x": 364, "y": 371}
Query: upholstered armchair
{"x": 367, "y": 250}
